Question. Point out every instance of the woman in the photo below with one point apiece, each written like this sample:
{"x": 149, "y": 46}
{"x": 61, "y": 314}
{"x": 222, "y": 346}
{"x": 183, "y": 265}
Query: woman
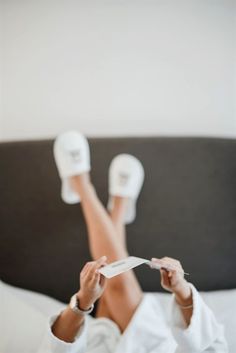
{"x": 126, "y": 320}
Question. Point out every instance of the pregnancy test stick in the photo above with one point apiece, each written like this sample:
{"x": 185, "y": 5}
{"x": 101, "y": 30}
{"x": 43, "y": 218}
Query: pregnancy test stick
{"x": 121, "y": 266}
{"x": 156, "y": 266}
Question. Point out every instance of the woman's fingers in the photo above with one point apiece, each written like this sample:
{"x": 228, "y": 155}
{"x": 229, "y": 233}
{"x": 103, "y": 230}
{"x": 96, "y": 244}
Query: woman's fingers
{"x": 88, "y": 267}
{"x": 173, "y": 262}
{"x": 169, "y": 264}
{"x": 97, "y": 278}
{"x": 102, "y": 281}
{"x": 91, "y": 272}
{"x": 100, "y": 262}
{"x": 94, "y": 278}
{"x": 165, "y": 282}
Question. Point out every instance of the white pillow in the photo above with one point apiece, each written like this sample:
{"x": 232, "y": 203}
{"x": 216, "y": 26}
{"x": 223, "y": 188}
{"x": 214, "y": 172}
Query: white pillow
{"x": 21, "y": 325}
{"x": 42, "y": 303}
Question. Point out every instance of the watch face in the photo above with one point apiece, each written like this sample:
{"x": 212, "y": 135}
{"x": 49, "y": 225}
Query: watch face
{"x": 74, "y": 304}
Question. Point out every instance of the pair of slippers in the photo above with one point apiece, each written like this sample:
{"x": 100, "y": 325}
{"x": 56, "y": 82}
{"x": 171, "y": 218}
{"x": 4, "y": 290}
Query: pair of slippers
{"x": 72, "y": 157}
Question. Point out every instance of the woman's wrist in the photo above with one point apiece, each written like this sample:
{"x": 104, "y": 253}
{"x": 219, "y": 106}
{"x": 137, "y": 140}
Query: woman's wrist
{"x": 85, "y": 303}
{"x": 183, "y": 294}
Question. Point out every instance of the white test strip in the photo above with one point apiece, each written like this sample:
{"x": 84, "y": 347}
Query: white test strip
{"x": 121, "y": 266}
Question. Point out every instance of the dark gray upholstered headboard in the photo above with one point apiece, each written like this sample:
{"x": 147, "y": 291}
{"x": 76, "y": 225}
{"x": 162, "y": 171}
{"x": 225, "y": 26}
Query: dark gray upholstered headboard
{"x": 187, "y": 210}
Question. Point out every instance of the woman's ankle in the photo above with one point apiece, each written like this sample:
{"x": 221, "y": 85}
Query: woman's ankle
{"x": 80, "y": 182}
{"x": 119, "y": 208}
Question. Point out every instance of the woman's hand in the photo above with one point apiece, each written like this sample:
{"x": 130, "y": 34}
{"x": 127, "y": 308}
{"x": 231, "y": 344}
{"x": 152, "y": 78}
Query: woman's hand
{"x": 172, "y": 279}
{"x": 92, "y": 283}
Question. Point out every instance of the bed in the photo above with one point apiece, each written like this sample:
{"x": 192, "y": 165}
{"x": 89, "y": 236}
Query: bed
{"x": 187, "y": 210}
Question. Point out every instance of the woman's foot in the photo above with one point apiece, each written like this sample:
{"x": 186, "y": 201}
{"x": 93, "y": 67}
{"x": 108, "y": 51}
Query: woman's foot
{"x": 72, "y": 157}
{"x": 126, "y": 176}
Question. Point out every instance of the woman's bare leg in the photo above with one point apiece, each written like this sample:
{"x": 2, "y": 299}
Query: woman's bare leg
{"x": 123, "y": 293}
{"x": 117, "y": 216}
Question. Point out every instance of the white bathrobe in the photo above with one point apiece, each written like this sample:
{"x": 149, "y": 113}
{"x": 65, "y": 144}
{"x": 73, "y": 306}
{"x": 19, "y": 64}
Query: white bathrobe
{"x": 147, "y": 332}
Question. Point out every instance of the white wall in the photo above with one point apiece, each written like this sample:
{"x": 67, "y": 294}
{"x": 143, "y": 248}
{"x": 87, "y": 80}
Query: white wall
{"x": 118, "y": 67}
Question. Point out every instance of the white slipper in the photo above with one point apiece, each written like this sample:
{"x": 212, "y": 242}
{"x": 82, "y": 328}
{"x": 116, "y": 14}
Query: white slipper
{"x": 71, "y": 153}
{"x": 126, "y": 176}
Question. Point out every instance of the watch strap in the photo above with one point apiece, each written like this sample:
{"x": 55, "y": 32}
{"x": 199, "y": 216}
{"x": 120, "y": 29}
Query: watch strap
{"x": 75, "y": 307}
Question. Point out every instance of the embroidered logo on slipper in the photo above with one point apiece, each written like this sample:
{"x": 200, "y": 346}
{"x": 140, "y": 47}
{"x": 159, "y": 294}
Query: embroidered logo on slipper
{"x": 123, "y": 179}
{"x": 76, "y": 156}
